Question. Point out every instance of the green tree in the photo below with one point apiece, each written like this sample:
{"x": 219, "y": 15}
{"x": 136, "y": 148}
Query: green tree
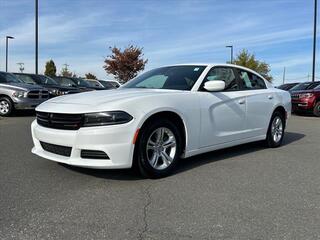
{"x": 90, "y": 76}
{"x": 245, "y": 59}
{"x": 65, "y": 71}
{"x": 125, "y": 65}
{"x": 50, "y": 69}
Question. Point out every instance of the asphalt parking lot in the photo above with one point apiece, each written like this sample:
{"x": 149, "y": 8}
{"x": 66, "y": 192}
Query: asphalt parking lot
{"x": 245, "y": 192}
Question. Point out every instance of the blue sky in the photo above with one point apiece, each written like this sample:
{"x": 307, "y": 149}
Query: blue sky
{"x": 79, "y": 32}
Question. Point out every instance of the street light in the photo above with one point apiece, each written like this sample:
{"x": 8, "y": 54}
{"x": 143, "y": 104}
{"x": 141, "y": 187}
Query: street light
{"x": 36, "y": 35}
{"x": 7, "y": 38}
{"x": 231, "y": 54}
{"x": 314, "y": 42}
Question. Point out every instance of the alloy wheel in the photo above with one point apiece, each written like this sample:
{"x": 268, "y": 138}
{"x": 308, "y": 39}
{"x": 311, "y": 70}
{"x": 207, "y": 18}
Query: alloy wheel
{"x": 161, "y": 148}
{"x": 277, "y": 129}
{"x": 4, "y": 107}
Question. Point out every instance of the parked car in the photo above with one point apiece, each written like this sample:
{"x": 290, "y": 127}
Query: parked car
{"x": 54, "y": 88}
{"x": 68, "y": 82}
{"x": 82, "y": 83}
{"x": 287, "y": 86}
{"x": 161, "y": 116}
{"x": 15, "y": 95}
{"x": 95, "y": 83}
{"x": 306, "y": 98}
{"x": 110, "y": 84}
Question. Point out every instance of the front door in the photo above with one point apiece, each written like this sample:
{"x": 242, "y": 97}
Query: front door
{"x": 223, "y": 113}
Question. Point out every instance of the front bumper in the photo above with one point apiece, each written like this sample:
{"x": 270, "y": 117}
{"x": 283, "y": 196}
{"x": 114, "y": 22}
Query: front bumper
{"x": 26, "y": 103}
{"x": 115, "y": 141}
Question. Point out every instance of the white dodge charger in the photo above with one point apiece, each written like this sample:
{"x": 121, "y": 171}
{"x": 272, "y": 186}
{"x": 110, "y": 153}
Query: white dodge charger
{"x": 161, "y": 116}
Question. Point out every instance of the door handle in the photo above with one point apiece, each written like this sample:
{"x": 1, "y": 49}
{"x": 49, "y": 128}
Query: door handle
{"x": 242, "y": 101}
{"x": 270, "y": 97}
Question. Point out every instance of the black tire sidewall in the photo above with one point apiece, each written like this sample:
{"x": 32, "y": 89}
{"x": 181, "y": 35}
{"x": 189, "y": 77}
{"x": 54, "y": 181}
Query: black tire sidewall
{"x": 316, "y": 109}
{"x": 10, "y": 106}
{"x": 270, "y": 142}
{"x": 141, "y": 156}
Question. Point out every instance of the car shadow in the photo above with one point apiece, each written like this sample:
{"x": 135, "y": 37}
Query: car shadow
{"x": 218, "y": 155}
{"x": 188, "y": 163}
{"x": 23, "y": 113}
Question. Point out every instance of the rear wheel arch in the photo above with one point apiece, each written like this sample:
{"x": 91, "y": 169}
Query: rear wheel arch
{"x": 281, "y": 110}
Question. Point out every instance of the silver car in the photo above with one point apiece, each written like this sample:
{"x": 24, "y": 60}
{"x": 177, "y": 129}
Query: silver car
{"x": 15, "y": 95}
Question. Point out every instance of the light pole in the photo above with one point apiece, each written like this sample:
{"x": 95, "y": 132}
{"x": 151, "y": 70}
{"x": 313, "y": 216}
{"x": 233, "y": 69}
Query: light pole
{"x": 231, "y": 54}
{"x": 7, "y": 40}
{"x": 36, "y": 36}
{"x": 314, "y": 42}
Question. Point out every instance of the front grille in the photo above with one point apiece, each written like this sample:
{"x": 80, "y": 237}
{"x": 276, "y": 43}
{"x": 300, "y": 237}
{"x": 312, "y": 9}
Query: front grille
{"x": 94, "y": 154}
{"x": 56, "y": 149}
{"x": 60, "y": 121}
{"x": 36, "y": 94}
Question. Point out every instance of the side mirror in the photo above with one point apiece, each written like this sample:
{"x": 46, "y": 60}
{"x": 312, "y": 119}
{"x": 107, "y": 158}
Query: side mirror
{"x": 214, "y": 86}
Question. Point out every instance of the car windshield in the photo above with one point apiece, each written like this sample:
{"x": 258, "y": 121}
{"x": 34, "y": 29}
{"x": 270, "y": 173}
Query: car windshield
{"x": 66, "y": 82}
{"x": 80, "y": 82}
{"x": 314, "y": 85}
{"x": 108, "y": 85}
{"x": 94, "y": 84}
{"x": 26, "y": 78}
{"x": 9, "y": 78}
{"x": 45, "y": 80}
{"x": 301, "y": 86}
{"x": 173, "y": 77}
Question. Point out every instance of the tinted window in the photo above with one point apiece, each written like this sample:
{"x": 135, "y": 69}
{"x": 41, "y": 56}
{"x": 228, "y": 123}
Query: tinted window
{"x": 250, "y": 80}
{"x": 8, "y": 78}
{"x": 66, "y": 82}
{"x": 313, "y": 85}
{"x": 225, "y": 74}
{"x": 80, "y": 82}
{"x": 300, "y": 86}
{"x": 26, "y": 79}
{"x": 45, "y": 80}
{"x": 174, "y": 77}
{"x": 107, "y": 85}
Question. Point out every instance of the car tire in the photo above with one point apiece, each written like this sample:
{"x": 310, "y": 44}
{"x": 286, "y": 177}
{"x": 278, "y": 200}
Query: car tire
{"x": 158, "y": 149}
{"x": 6, "y": 106}
{"x": 275, "y": 132}
{"x": 316, "y": 109}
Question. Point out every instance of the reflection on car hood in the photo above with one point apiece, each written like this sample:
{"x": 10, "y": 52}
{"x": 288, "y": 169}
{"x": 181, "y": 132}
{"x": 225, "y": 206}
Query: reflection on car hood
{"x": 21, "y": 86}
{"x": 105, "y": 96}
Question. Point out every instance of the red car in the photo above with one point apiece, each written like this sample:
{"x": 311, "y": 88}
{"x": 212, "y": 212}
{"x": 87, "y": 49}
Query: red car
{"x": 305, "y": 97}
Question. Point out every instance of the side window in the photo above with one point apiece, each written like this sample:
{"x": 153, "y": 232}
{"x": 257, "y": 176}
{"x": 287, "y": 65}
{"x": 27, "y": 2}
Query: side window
{"x": 225, "y": 74}
{"x": 250, "y": 80}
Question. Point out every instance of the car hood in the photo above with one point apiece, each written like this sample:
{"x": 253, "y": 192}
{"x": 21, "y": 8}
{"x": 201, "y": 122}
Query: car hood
{"x": 21, "y": 86}
{"x": 107, "y": 96}
{"x": 103, "y": 100}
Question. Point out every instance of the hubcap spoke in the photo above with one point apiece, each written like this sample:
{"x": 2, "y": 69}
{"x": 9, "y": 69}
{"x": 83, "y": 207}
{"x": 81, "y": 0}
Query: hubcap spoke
{"x": 277, "y": 129}
{"x": 161, "y": 148}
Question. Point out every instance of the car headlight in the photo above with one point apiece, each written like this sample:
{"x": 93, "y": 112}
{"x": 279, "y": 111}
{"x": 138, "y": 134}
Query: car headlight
{"x": 106, "y": 118}
{"x": 306, "y": 95}
{"x": 19, "y": 94}
{"x": 55, "y": 92}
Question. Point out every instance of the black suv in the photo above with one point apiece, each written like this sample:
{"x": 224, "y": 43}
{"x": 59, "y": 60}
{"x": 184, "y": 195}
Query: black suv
{"x": 78, "y": 82}
{"x": 54, "y": 88}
